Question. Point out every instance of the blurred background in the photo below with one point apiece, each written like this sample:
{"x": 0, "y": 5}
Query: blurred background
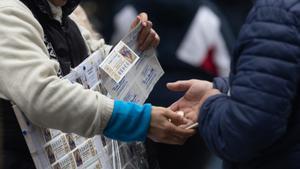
{"x": 197, "y": 40}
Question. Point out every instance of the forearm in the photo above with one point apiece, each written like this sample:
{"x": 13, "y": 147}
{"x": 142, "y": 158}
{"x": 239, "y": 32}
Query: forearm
{"x": 54, "y": 103}
{"x": 29, "y": 79}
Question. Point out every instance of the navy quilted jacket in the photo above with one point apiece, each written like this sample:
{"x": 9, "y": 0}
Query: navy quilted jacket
{"x": 255, "y": 123}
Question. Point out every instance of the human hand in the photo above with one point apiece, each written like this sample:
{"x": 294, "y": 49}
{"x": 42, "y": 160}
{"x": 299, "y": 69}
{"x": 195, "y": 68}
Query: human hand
{"x": 147, "y": 37}
{"x": 164, "y": 127}
{"x": 196, "y": 92}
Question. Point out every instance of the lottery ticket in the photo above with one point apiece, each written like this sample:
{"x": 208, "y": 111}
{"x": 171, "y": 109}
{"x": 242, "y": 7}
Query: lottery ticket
{"x": 49, "y": 134}
{"x": 57, "y": 148}
{"x": 67, "y": 162}
{"x": 95, "y": 165}
{"x": 119, "y": 61}
{"x": 84, "y": 152}
{"x": 74, "y": 140}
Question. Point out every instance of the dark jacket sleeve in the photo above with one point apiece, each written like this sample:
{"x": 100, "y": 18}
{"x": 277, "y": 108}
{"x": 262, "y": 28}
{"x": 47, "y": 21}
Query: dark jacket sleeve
{"x": 263, "y": 83}
{"x": 222, "y": 84}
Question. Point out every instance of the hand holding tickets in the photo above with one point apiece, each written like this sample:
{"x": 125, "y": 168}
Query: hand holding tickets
{"x": 190, "y": 124}
{"x": 147, "y": 36}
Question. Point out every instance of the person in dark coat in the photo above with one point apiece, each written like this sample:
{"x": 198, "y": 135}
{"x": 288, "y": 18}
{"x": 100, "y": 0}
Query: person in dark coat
{"x": 252, "y": 119}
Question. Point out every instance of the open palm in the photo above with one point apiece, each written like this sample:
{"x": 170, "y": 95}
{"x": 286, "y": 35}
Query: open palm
{"x": 191, "y": 101}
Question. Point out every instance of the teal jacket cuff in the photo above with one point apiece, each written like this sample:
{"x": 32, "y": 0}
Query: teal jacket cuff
{"x": 129, "y": 121}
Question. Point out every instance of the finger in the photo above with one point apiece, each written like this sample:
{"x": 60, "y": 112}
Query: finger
{"x": 167, "y": 139}
{"x": 149, "y": 40}
{"x": 147, "y": 26}
{"x": 142, "y": 17}
{"x": 179, "y": 86}
{"x": 156, "y": 40}
{"x": 192, "y": 116}
{"x": 182, "y": 132}
{"x": 176, "y": 140}
{"x": 189, "y": 123}
{"x": 172, "y": 139}
{"x": 174, "y": 117}
{"x": 180, "y": 139}
{"x": 135, "y": 22}
{"x": 174, "y": 106}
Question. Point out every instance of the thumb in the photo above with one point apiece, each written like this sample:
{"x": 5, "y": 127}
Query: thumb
{"x": 142, "y": 17}
{"x": 179, "y": 86}
{"x": 174, "y": 117}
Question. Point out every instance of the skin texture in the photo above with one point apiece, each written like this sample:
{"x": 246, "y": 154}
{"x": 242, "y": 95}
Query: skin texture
{"x": 165, "y": 127}
{"x": 196, "y": 93}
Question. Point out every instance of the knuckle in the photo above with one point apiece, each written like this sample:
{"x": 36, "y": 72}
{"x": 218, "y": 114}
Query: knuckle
{"x": 145, "y": 14}
{"x": 157, "y": 37}
{"x": 194, "y": 80}
{"x": 170, "y": 129}
{"x": 166, "y": 126}
{"x": 163, "y": 137}
{"x": 152, "y": 32}
{"x": 150, "y": 24}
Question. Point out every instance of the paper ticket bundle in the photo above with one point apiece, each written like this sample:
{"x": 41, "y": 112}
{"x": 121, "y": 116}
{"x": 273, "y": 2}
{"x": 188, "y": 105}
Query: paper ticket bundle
{"x": 74, "y": 140}
{"x": 88, "y": 73}
{"x": 95, "y": 165}
{"x": 49, "y": 134}
{"x": 126, "y": 73}
{"x": 85, "y": 152}
{"x": 130, "y": 73}
{"x": 67, "y": 162}
{"x": 84, "y": 156}
{"x": 119, "y": 61}
{"x": 57, "y": 148}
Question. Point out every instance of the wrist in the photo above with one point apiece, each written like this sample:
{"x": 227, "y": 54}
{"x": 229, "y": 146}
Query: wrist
{"x": 129, "y": 121}
{"x": 209, "y": 93}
